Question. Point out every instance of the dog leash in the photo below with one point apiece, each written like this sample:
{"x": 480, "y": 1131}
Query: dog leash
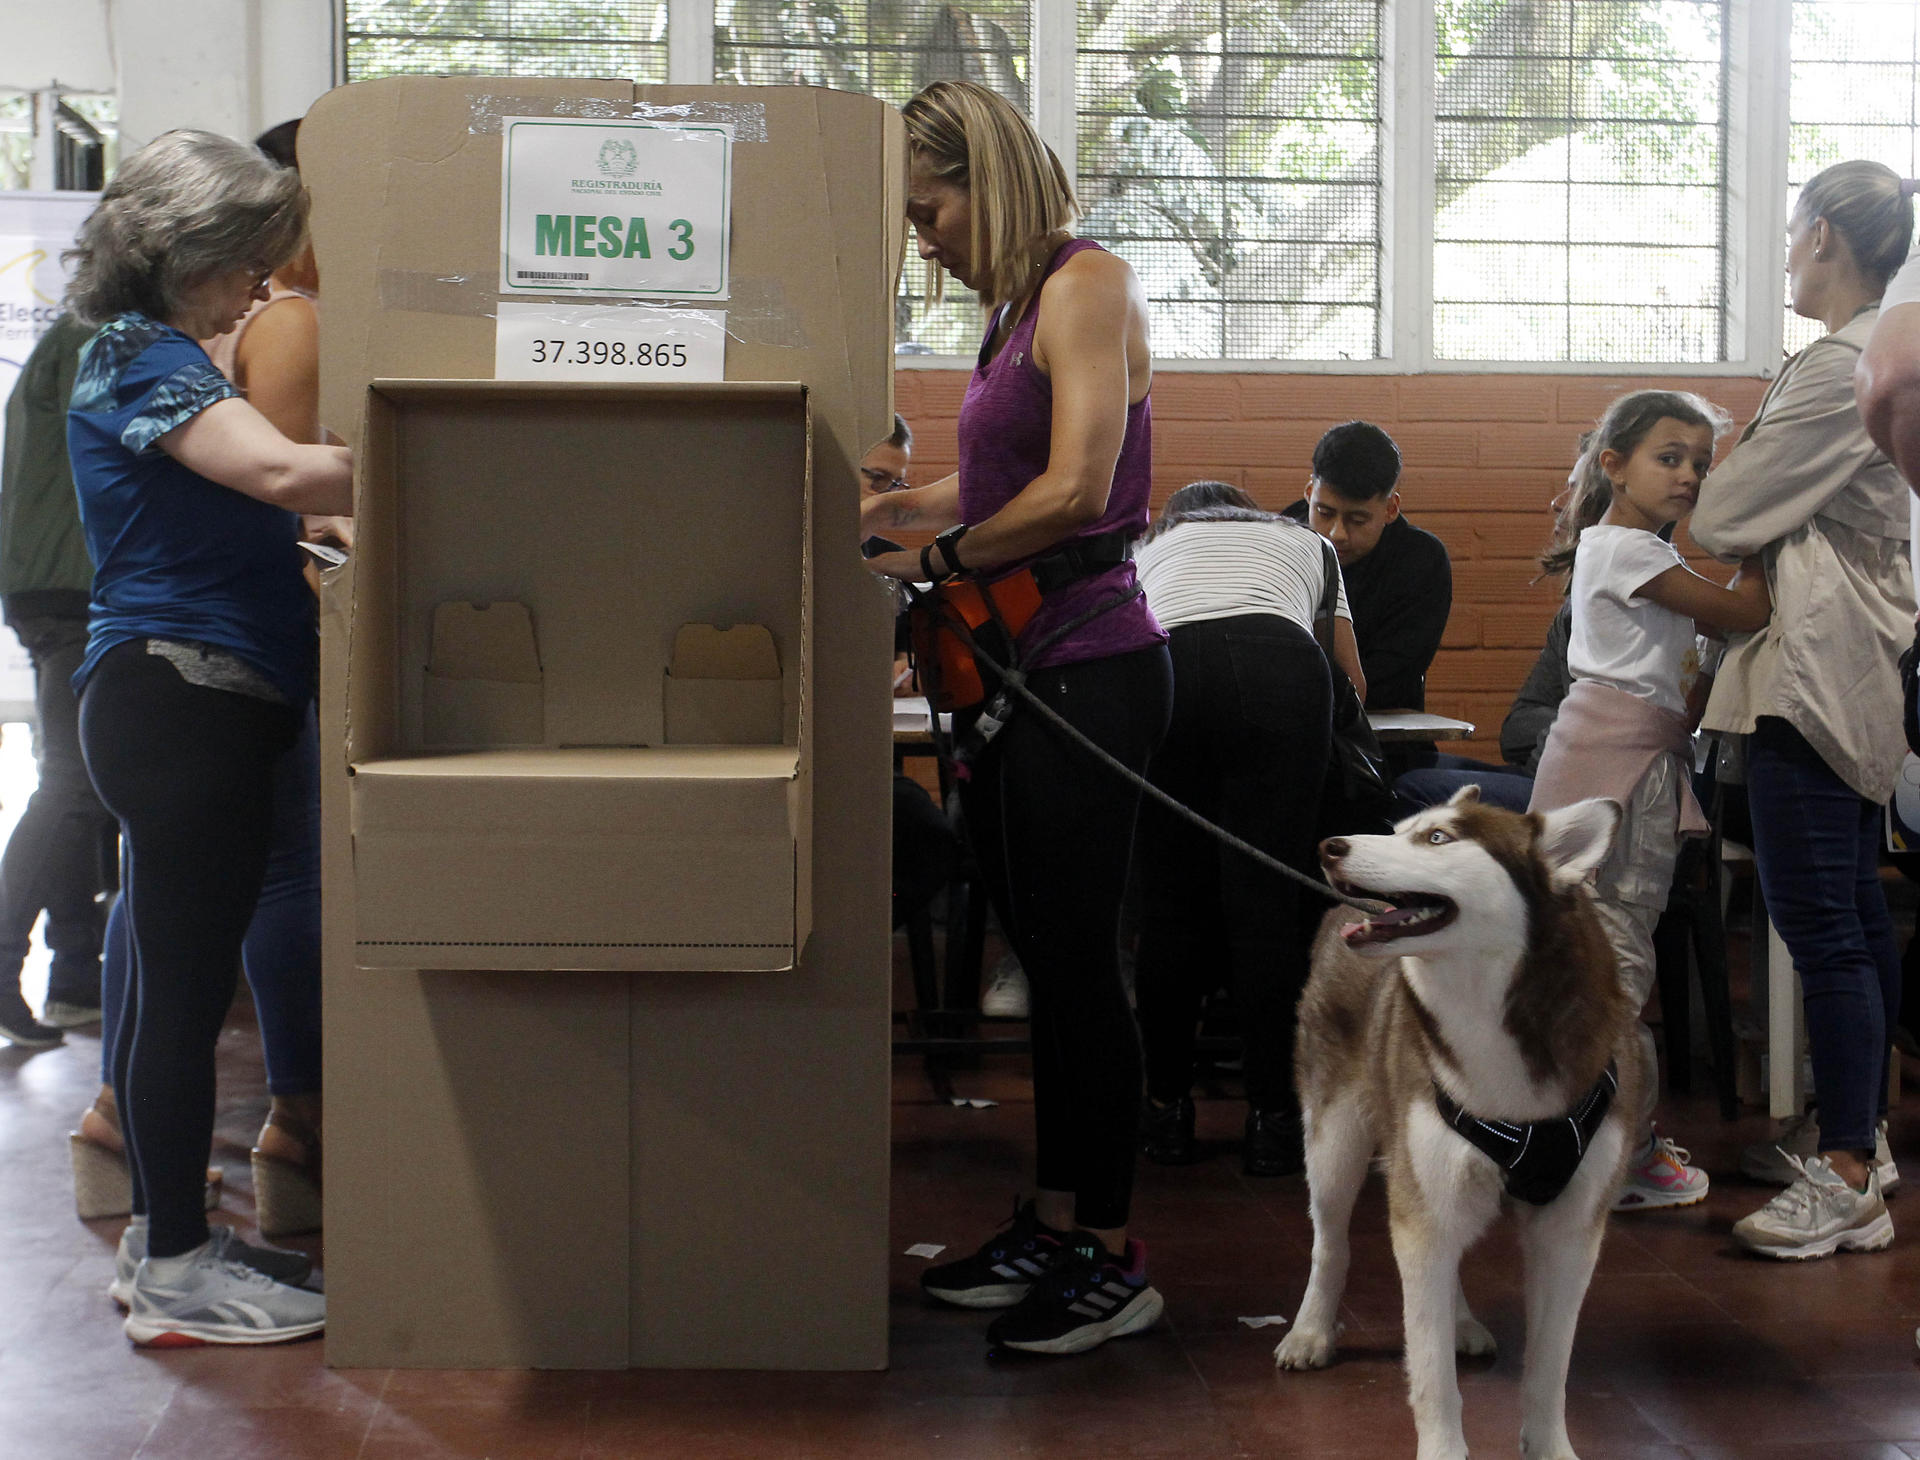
{"x": 1016, "y": 680}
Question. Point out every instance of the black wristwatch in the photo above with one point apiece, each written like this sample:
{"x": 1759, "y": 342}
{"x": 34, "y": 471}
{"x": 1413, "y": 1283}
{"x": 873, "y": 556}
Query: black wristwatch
{"x": 949, "y": 544}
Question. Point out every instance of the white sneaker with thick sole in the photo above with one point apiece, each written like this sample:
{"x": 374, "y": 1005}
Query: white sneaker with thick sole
{"x": 1006, "y": 995}
{"x": 1799, "y": 1137}
{"x": 1818, "y": 1215}
{"x": 292, "y": 1268}
{"x": 201, "y": 1297}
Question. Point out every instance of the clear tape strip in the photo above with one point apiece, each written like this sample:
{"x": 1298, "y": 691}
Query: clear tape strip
{"x": 758, "y": 312}
{"x": 747, "y": 118}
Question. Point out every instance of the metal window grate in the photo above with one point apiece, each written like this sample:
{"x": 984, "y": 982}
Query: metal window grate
{"x": 889, "y": 49}
{"x": 1856, "y": 94}
{"x": 1230, "y": 151}
{"x": 1579, "y": 181}
{"x": 507, "y": 38}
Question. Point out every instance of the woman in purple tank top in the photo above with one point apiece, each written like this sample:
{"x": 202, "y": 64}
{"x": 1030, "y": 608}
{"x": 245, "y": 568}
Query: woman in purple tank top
{"x": 1055, "y": 462}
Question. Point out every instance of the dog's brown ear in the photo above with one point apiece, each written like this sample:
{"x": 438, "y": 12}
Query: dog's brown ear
{"x": 1464, "y": 795}
{"x": 1575, "y": 840}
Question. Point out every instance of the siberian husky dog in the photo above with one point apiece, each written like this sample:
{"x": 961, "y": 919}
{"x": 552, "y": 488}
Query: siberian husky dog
{"x": 1482, "y": 1014}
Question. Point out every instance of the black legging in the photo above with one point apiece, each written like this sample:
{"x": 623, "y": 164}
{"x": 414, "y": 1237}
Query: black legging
{"x": 1052, "y": 832}
{"x": 189, "y": 773}
{"x": 1248, "y": 749}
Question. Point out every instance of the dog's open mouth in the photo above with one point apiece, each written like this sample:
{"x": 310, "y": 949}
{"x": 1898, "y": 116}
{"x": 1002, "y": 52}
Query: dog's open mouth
{"x": 1409, "y": 915}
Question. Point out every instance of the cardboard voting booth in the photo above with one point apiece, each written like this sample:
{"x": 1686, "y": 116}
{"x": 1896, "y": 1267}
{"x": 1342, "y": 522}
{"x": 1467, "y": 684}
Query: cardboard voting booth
{"x": 604, "y": 722}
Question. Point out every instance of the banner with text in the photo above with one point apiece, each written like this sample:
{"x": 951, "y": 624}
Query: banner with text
{"x": 615, "y": 207}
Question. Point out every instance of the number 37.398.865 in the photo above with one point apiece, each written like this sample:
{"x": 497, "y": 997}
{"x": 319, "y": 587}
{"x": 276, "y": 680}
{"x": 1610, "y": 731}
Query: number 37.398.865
{"x": 644, "y": 354}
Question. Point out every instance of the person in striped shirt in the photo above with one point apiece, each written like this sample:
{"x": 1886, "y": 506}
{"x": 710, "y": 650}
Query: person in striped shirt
{"x": 1237, "y": 590}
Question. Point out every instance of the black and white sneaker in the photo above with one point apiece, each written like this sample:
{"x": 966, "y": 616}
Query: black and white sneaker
{"x": 1088, "y": 1297}
{"x": 1005, "y": 1268}
{"x": 19, "y": 1027}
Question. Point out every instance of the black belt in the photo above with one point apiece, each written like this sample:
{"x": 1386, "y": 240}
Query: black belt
{"x": 1081, "y": 558}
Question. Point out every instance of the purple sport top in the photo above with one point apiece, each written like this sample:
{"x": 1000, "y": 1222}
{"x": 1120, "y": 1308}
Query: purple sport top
{"x": 1006, "y": 438}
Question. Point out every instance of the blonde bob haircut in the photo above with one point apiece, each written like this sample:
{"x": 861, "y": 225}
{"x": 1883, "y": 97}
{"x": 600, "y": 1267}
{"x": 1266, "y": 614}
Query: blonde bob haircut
{"x": 976, "y": 139}
{"x": 185, "y": 208}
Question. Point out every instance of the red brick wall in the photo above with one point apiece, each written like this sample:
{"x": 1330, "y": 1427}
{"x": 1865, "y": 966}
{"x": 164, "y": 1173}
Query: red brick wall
{"x": 1484, "y": 455}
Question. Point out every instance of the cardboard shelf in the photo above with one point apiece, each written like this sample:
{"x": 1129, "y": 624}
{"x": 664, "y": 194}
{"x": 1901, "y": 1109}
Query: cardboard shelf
{"x": 554, "y": 582}
{"x": 702, "y": 762}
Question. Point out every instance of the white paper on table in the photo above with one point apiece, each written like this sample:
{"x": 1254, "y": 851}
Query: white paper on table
{"x": 632, "y": 343}
{"x": 1266, "y": 1320}
{"x": 974, "y": 1104}
{"x": 926, "y": 1249}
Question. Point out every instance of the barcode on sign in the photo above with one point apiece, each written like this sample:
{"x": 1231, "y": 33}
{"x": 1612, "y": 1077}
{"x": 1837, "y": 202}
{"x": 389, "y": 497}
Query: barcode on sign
{"x": 539, "y": 274}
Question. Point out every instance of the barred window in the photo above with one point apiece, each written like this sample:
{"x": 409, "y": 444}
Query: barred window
{"x": 507, "y": 38}
{"x": 16, "y": 138}
{"x": 1579, "y": 175}
{"x": 1230, "y": 151}
{"x": 1856, "y": 96}
{"x": 889, "y": 49}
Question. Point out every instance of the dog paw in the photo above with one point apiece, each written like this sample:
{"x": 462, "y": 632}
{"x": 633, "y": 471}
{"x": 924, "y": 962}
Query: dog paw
{"x": 1470, "y": 1336}
{"x": 1554, "y": 1449}
{"x": 1304, "y": 1349}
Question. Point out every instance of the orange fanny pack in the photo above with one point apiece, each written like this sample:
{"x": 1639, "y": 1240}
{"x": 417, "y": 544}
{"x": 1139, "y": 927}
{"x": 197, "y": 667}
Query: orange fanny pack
{"x": 949, "y": 619}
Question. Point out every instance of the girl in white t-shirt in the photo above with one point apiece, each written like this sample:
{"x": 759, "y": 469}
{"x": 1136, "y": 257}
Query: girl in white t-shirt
{"x": 1639, "y": 684}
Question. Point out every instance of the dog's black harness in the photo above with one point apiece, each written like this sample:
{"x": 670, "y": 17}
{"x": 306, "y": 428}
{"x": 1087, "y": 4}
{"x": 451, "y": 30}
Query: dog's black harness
{"x": 1540, "y": 1157}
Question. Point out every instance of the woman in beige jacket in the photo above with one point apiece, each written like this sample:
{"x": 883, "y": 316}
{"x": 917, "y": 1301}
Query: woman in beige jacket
{"x": 1817, "y": 695}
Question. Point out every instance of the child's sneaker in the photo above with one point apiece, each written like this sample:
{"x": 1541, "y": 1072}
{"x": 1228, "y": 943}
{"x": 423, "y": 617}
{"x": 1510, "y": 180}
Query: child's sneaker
{"x": 1661, "y": 1176}
{"x": 1005, "y": 1268}
{"x": 1817, "y": 1215}
{"x": 292, "y": 1268}
{"x": 1088, "y": 1297}
{"x": 202, "y": 1297}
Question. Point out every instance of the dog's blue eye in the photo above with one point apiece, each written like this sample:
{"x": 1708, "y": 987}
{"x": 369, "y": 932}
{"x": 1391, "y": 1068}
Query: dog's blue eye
{"x": 1438, "y": 838}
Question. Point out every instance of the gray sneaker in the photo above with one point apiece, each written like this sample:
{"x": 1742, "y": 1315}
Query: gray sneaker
{"x": 291, "y": 1268}
{"x": 58, "y": 1014}
{"x": 1799, "y": 1136}
{"x": 1817, "y": 1215}
{"x": 202, "y": 1297}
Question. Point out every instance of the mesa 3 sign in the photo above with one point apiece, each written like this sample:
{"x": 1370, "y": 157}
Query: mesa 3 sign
{"x": 615, "y": 208}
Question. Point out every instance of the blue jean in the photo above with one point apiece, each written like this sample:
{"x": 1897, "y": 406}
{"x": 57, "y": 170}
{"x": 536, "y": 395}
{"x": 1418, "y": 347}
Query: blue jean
{"x": 1500, "y": 785}
{"x": 1817, "y": 846}
{"x": 281, "y": 953}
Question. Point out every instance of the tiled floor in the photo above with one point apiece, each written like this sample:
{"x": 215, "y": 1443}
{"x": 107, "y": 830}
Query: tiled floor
{"x": 1686, "y": 1348}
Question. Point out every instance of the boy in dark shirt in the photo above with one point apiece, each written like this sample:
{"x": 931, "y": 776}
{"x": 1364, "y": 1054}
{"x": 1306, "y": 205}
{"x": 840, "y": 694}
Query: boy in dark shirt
{"x": 1399, "y": 582}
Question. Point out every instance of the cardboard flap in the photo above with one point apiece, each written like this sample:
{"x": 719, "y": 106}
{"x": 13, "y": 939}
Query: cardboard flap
{"x": 491, "y": 641}
{"x": 745, "y": 651}
{"x": 483, "y": 677}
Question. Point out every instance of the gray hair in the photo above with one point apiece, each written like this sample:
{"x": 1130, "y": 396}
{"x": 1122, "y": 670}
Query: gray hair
{"x": 184, "y": 208}
{"x": 1869, "y": 205}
